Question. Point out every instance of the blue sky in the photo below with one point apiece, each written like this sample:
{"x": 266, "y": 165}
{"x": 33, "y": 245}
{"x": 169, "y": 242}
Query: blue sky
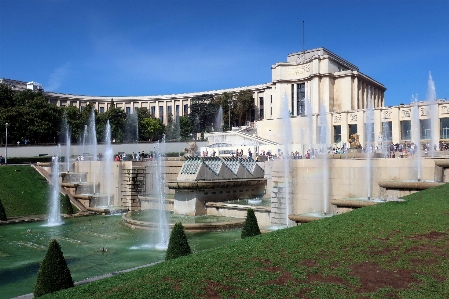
{"x": 152, "y": 47}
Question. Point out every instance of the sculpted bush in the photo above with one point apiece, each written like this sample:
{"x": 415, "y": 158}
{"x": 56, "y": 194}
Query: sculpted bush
{"x": 53, "y": 275}
{"x": 178, "y": 244}
{"x": 251, "y": 227}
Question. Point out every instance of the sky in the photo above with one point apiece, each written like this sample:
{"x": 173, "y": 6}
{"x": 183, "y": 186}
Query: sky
{"x": 132, "y": 48}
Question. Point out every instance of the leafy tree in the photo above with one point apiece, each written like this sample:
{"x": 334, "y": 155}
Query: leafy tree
{"x": 250, "y": 227}
{"x": 30, "y": 115}
{"x": 244, "y": 104}
{"x": 226, "y": 101}
{"x": 203, "y": 110}
{"x": 53, "y": 275}
{"x": 6, "y": 96}
{"x": 143, "y": 113}
{"x": 43, "y": 120}
{"x": 178, "y": 244}
{"x": 2, "y": 212}
{"x": 74, "y": 121}
{"x": 117, "y": 119}
{"x": 154, "y": 127}
{"x": 25, "y": 96}
{"x": 185, "y": 127}
{"x": 172, "y": 130}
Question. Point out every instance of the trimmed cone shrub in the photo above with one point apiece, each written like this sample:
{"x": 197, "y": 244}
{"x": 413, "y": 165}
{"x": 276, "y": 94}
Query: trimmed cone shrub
{"x": 250, "y": 227}
{"x": 178, "y": 244}
{"x": 66, "y": 205}
{"x": 53, "y": 275}
{"x": 2, "y": 212}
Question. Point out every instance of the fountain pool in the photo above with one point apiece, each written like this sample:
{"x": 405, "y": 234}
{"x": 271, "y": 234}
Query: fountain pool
{"x": 24, "y": 246}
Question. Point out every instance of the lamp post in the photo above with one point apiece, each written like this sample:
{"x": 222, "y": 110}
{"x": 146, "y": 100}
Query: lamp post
{"x": 6, "y": 144}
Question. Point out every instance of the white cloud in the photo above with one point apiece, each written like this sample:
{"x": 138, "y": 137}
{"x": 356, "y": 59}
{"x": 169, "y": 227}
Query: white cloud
{"x": 57, "y": 77}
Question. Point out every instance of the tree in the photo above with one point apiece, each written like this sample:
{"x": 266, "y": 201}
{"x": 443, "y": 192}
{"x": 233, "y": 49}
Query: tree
{"x": 244, "y": 104}
{"x": 2, "y": 212}
{"x": 203, "y": 110}
{"x": 185, "y": 127}
{"x": 75, "y": 123}
{"x": 117, "y": 118}
{"x": 178, "y": 244}
{"x": 226, "y": 101}
{"x": 154, "y": 127}
{"x": 53, "y": 275}
{"x": 6, "y": 96}
{"x": 172, "y": 130}
{"x": 250, "y": 227}
{"x": 143, "y": 113}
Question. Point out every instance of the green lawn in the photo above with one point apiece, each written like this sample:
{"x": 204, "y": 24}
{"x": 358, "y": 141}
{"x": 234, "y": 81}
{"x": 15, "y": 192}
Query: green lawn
{"x": 23, "y": 191}
{"x": 391, "y": 250}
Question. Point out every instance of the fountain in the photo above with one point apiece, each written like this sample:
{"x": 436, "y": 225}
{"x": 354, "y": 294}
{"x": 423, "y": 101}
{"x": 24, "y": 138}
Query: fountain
{"x": 218, "y": 123}
{"x": 309, "y": 126}
{"x": 369, "y": 130}
{"x": 92, "y": 145}
{"x": 131, "y": 134}
{"x": 433, "y": 111}
{"x": 85, "y": 135}
{"x": 81, "y": 238}
{"x": 108, "y": 161}
{"x": 286, "y": 142}
{"x": 65, "y": 130}
{"x": 54, "y": 213}
{"x": 162, "y": 219}
{"x": 416, "y": 138}
{"x": 385, "y": 138}
{"x": 325, "y": 161}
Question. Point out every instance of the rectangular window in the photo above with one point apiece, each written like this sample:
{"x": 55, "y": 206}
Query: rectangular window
{"x": 271, "y": 114}
{"x": 161, "y": 113}
{"x": 425, "y": 125}
{"x": 177, "y": 111}
{"x": 301, "y": 98}
{"x": 128, "y": 110}
{"x": 101, "y": 109}
{"x": 337, "y": 134}
{"x": 260, "y": 101}
{"x": 406, "y": 130}
{"x": 271, "y": 99}
{"x": 444, "y": 125}
{"x": 352, "y": 129}
{"x": 153, "y": 110}
{"x": 292, "y": 99}
{"x": 169, "y": 110}
{"x": 387, "y": 133}
{"x": 186, "y": 109}
{"x": 261, "y": 114}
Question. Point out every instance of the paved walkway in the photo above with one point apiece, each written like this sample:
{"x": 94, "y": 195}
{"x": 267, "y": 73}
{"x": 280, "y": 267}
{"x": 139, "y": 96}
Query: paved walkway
{"x": 87, "y": 280}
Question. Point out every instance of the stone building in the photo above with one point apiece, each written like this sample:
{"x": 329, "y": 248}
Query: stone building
{"x": 309, "y": 84}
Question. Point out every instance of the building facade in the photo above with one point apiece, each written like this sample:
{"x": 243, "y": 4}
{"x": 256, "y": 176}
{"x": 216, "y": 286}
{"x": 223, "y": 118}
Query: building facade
{"x": 308, "y": 85}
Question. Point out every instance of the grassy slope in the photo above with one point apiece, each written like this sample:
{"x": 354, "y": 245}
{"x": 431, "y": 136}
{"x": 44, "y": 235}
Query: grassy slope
{"x": 392, "y": 250}
{"x": 23, "y": 191}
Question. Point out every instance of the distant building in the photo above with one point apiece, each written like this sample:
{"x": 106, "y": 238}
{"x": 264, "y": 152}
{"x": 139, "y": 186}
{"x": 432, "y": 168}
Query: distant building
{"x": 307, "y": 84}
{"x": 20, "y": 85}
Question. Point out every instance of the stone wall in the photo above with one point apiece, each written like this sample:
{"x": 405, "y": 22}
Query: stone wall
{"x": 347, "y": 178}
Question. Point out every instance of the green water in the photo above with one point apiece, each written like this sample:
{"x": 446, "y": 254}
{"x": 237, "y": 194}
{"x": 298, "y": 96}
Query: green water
{"x": 151, "y": 215}
{"x": 81, "y": 240}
